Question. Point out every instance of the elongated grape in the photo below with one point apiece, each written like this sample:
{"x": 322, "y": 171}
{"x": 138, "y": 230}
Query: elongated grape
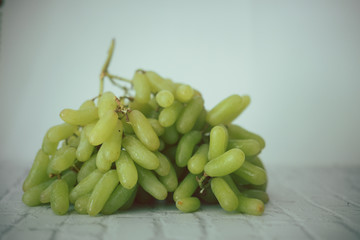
{"x": 145, "y": 108}
{"x": 160, "y": 130}
{"x": 186, "y": 188}
{"x": 184, "y": 93}
{"x": 251, "y": 173}
{"x": 109, "y": 151}
{"x": 144, "y": 130}
{"x": 169, "y": 115}
{"x": 197, "y": 162}
{"x": 258, "y": 194}
{"x": 85, "y": 149}
{"x": 60, "y": 132}
{"x": 130, "y": 201}
{"x": 226, "y": 111}
{"x": 226, "y": 163}
{"x": 158, "y": 83}
{"x": 188, "y": 205}
{"x": 237, "y": 132}
{"x": 126, "y": 170}
{"x": 151, "y": 184}
{"x": 81, "y": 204}
{"x": 117, "y": 199}
{"x": 140, "y": 154}
{"x": 142, "y": 87}
{"x": 38, "y": 171}
{"x": 85, "y": 186}
{"x": 164, "y": 166}
{"x": 103, "y": 128}
{"x": 106, "y": 103}
{"x": 257, "y": 162}
{"x": 170, "y": 181}
{"x": 32, "y": 196}
{"x": 200, "y": 123}
{"x": 73, "y": 141}
{"x": 223, "y": 193}
{"x": 164, "y": 98}
{"x": 49, "y": 147}
{"x": 171, "y": 135}
{"x": 88, "y": 167}
{"x": 87, "y": 104}
{"x": 250, "y": 147}
{"x": 186, "y": 147}
{"x": 127, "y": 126}
{"x": 102, "y": 192}
{"x": 63, "y": 159}
{"x": 189, "y": 115}
{"x": 59, "y": 199}
{"x": 79, "y": 117}
{"x": 218, "y": 141}
{"x": 251, "y": 206}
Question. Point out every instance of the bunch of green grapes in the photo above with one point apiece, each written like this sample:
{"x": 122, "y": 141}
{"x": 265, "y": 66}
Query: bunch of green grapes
{"x": 157, "y": 144}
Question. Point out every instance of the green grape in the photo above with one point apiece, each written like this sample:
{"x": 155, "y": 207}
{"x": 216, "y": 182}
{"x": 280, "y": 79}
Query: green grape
{"x": 251, "y": 206}
{"x": 127, "y": 126}
{"x": 232, "y": 184}
{"x": 184, "y": 93}
{"x": 223, "y": 193}
{"x": 130, "y": 201}
{"x": 117, "y": 199}
{"x": 226, "y": 163}
{"x": 218, "y": 141}
{"x": 188, "y": 205}
{"x": 169, "y": 115}
{"x": 87, "y": 104}
{"x": 237, "y": 132}
{"x": 158, "y": 83}
{"x": 159, "y": 130}
{"x": 107, "y": 102}
{"x": 63, "y": 159}
{"x": 164, "y": 166}
{"x": 73, "y": 141}
{"x": 149, "y": 182}
{"x": 189, "y": 115}
{"x": 145, "y": 108}
{"x": 164, "y": 98}
{"x": 59, "y": 199}
{"x": 258, "y": 194}
{"x": 60, "y": 132}
{"x": 162, "y": 145}
{"x": 68, "y": 176}
{"x": 103, "y": 128}
{"x": 186, "y": 147}
{"x": 38, "y": 171}
{"x": 109, "y": 151}
{"x": 186, "y": 188}
{"x": 250, "y": 147}
{"x": 102, "y": 192}
{"x": 226, "y": 111}
{"x": 81, "y": 204}
{"x": 171, "y": 135}
{"x": 32, "y": 195}
{"x": 251, "y": 173}
{"x": 140, "y": 154}
{"x": 85, "y": 149}
{"x": 144, "y": 130}
{"x": 170, "y": 181}
{"x": 49, "y": 147}
{"x": 88, "y": 167}
{"x": 197, "y": 162}
{"x": 126, "y": 170}
{"x": 79, "y": 117}
{"x": 142, "y": 87}
{"x": 257, "y": 162}
{"x": 85, "y": 186}
{"x": 201, "y": 121}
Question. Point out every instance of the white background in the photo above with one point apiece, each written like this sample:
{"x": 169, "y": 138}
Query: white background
{"x": 298, "y": 60}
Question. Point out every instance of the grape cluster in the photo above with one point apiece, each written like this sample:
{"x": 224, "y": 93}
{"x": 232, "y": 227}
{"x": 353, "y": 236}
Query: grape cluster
{"x": 155, "y": 142}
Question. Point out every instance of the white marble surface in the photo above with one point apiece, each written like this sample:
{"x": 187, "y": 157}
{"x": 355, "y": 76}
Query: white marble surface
{"x": 305, "y": 203}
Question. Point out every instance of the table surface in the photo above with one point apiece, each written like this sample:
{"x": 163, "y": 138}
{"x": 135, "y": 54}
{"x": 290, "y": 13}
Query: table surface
{"x": 305, "y": 203}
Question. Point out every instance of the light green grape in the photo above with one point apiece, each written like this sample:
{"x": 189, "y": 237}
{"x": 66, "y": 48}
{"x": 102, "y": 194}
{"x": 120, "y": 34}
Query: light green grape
{"x": 59, "y": 199}
{"x": 188, "y": 205}
{"x": 197, "y": 162}
{"x": 144, "y": 130}
{"x": 159, "y": 130}
{"x": 79, "y": 117}
{"x": 225, "y": 164}
{"x": 186, "y": 147}
{"x": 186, "y": 188}
{"x": 149, "y": 182}
{"x": 103, "y": 128}
{"x": 142, "y": 87}
{"x": 85, "y": 149}
{"x": 158, "y": 83}
{"x": 184, "y": 93}
{"x": 164, "y": 98}
{"x": 140, "y": 154}
{"x": 126, "y": 170}
{"x": 63, "y": 159}
{"x": 102, "y": 192}
{"x": 218, "y": 141}
{"x": 60, "y": 132}
{"x": 251, "y": 173}
{"x": 88, "y": 167}
{"x": 189, "y": 115}
{"x": 237, "y": 132}
{"x": 118, "y": 199}
{"x": 223, "y": 193}
{"x": 49, "y": 147}
{"x": 258, "y": 194}
{"x": 38, "y": 171}
{"x": 170, "y": 181}
{"x": 250, "y": 147}
{"x": 31, "y": 196}
{"x": 164, "y": 166}
{"x": 81, "y": 204}
{"x": 106, "y": 103}
{"x": 169, "y": 115}
{"x": 171, "y": 135}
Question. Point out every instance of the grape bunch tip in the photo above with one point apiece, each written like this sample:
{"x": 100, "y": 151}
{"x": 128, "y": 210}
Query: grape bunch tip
{"x": 155, "y": 142}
